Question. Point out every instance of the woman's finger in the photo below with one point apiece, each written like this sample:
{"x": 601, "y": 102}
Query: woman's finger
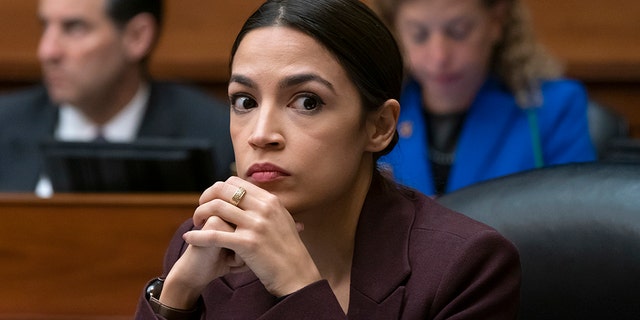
{"x": 218, "y": 208}
{"x": 232, "y": 191}
{"x": 211, "y": 238}
{"x": 204, "y": 236}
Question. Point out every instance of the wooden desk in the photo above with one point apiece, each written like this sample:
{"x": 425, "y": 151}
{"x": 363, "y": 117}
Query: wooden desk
{"x": 83, "y": 256}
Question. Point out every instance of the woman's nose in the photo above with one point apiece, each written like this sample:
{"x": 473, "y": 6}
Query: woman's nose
{"x": 267, "y": 128}
{"x": 437, "y": 50}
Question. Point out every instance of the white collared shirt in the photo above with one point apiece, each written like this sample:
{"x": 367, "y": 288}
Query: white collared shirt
{"x": 73, "y": 125}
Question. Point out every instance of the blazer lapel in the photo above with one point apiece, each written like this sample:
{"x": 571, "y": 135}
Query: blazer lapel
{"x": 159, "y": 120}
{"x": 484, "y": 135}
{"x": 30, "y": 163}
{"x": 380, "y": 262}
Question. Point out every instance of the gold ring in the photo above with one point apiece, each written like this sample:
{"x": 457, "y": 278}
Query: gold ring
{"x": 237, "y": 197}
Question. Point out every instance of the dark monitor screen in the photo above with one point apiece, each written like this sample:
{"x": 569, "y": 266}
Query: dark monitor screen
{"x": 158, "y": 165}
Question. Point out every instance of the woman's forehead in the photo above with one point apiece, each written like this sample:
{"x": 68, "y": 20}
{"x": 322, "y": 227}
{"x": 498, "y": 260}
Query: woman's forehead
{"x": 281, "y": 37}
{"x": 278, "y": 48}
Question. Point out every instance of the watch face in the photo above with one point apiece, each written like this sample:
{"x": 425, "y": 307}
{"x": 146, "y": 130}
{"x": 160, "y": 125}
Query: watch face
{"x": 154, "y": 288}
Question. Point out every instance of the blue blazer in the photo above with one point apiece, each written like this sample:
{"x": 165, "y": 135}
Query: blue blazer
{"x": 176, "y": 111}
{"x": 497, "y": 135}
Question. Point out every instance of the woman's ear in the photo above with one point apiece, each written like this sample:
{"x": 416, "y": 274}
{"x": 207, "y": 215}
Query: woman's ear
{"x": 139, "y": 36}
{"x": 381, "y": 125}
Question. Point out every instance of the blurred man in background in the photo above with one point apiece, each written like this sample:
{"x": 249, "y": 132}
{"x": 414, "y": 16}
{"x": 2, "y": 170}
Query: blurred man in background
{"x": 94, "y": 56}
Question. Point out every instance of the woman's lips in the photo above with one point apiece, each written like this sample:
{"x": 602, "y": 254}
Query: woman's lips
{"x": 265, "y": 176}
{"x": 445, "y": 79}
{"x": 265, "y": 172}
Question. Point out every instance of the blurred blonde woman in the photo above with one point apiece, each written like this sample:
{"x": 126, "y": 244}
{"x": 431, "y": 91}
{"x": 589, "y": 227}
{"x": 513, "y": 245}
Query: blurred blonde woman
{"x": 482, "y": 99}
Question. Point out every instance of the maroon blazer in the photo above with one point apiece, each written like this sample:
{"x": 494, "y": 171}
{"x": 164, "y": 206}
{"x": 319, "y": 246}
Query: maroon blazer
{"x": 413, "y": 259}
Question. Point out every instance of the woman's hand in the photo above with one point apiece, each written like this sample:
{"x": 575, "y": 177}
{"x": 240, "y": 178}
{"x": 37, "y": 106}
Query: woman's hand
{"x": 258, "y": 233}
{"x": 196, "y": 268}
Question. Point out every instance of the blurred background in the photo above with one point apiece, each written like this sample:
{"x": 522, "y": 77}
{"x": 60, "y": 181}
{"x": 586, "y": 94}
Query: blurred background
{"x": 598, "y": 41}
{"x": 100, "y": 268}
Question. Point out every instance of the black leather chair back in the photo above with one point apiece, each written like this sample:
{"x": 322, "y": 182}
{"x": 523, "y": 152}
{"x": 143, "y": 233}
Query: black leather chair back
{"x": 605, "y": 126}
{"x": 577, "y": 228}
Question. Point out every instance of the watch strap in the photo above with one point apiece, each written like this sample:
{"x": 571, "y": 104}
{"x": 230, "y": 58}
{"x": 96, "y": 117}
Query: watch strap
{"x": 170, "y": 313}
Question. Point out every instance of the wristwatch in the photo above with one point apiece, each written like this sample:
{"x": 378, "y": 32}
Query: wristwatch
{"x": 152, "y": 293}
{"x": 154, "y": 288}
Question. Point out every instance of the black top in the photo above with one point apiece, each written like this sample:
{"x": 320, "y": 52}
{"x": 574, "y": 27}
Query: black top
{"x": 443, "y": 132}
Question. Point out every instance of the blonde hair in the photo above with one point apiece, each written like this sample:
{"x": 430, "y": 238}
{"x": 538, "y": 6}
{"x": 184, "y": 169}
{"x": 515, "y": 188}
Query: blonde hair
{"x": 519, "y": 60}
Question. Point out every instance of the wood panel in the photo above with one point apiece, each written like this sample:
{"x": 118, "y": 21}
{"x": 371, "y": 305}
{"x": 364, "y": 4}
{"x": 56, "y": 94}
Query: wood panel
{"x": 194, "y": 46}
{"x": 83, "y": 256}
{"x": 599, "y": 43}
{"x": 597, "y": 40}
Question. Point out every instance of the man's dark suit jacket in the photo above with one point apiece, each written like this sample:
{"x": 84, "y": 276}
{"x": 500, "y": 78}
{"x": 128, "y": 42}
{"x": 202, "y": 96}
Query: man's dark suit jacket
{"x": 413, "y": 259}
{"x": 173, "y": 111}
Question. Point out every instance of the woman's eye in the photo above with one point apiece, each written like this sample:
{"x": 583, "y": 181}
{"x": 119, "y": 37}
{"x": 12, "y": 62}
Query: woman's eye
{"x": 460, "y": 31}
{"x": 419, "y": 36}
{"x": 307, "y": 103}
{"x": 243, "y": 103}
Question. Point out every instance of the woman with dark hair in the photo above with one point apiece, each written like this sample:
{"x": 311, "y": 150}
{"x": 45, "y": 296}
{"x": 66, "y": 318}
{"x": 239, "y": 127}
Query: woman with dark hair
{"x": 309, "y": 229}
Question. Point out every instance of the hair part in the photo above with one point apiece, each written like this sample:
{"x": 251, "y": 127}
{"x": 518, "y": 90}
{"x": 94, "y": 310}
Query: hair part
{"x": 353, "y": 33}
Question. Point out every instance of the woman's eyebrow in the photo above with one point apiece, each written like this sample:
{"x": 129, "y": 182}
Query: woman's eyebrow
{"x": 242, "y": 80}
{"x": 303, "y": 78}
{"x": 285, "y": 83}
